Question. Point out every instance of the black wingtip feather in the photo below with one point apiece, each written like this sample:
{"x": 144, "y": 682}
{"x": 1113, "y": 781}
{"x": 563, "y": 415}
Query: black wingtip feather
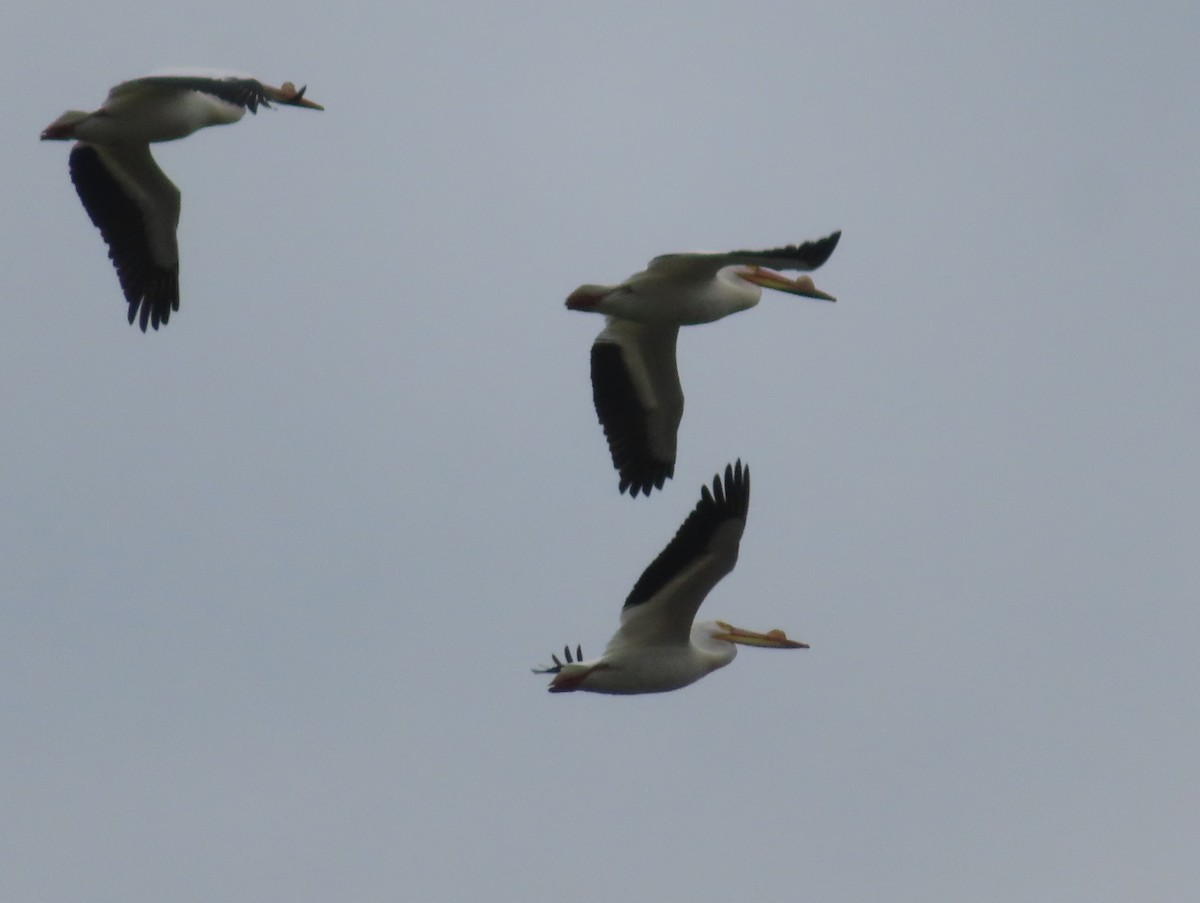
{"x": 558, "y": 664}
{"x": 813, "y": 254}
{"x": 807, "y": 256}
{"x": 825, "y": 247}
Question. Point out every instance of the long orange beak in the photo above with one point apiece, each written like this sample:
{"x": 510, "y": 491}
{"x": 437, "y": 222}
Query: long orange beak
{"x": 772, "y": 639}
{"x": 288, "y": 94}
{"x": 801, "y": 285}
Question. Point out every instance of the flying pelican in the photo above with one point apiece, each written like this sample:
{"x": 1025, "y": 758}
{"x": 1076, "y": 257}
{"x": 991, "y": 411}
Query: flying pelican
{"x": 635, "y": 381}
{"x": 129, "y": 199}
{"x": 658, "y": 647}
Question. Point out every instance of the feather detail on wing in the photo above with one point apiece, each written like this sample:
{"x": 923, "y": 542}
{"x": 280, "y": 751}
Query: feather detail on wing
{"x": 136, "y": 208}
{"x": 665, "y": 599}
{"x": 635, "y": 387}
{"x": 247, "y": 93}
{"x": 807, "y": 256}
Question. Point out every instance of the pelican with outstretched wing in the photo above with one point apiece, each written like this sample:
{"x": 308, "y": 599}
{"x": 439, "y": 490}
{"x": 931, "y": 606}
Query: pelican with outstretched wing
{"x": 635, "y": 380}
{"x": 129, "y": 199}
{"x": 660, "y": 646}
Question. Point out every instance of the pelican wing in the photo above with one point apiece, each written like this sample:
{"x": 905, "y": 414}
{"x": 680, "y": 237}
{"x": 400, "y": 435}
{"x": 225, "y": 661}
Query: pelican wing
{"x": 807, "y": 256}
{"x": 665, "y": 599}
{"x": 247, "y": 93}
{"x": 136, "y": 208}
{"x": 635, "y": 387}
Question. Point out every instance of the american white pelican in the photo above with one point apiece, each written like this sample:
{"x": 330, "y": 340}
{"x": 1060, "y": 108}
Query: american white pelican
{"x": 635, "y": 381}
{"x": 658, "y": 647}
{"x": 129, "y": 199}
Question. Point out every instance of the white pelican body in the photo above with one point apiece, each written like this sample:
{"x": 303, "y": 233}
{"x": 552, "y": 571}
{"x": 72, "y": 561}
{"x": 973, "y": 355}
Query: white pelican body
{"x": 658, "y": 647}
{"x": 635, "y": 380}
{"x": 129, "y": 199}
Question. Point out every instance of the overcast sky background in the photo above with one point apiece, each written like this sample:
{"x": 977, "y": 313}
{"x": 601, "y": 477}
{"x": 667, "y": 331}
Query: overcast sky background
{"x": 272, "y": 579}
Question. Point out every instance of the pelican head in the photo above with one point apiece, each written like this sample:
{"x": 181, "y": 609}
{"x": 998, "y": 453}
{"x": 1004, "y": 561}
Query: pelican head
{"x": 288, "y": 94}
{"x": 801, "y": 285}
{"x": 714, "y": 643}
{"x": 63, "y": 128}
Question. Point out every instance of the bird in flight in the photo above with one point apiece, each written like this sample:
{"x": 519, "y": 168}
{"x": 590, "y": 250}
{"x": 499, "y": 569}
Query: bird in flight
{"x": 660, "y": 646}
{"x": 635, "y": 380}
{"x": 129, "y": 199}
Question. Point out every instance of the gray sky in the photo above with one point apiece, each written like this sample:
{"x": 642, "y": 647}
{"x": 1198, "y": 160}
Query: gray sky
{"x": 273, "y": 578}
